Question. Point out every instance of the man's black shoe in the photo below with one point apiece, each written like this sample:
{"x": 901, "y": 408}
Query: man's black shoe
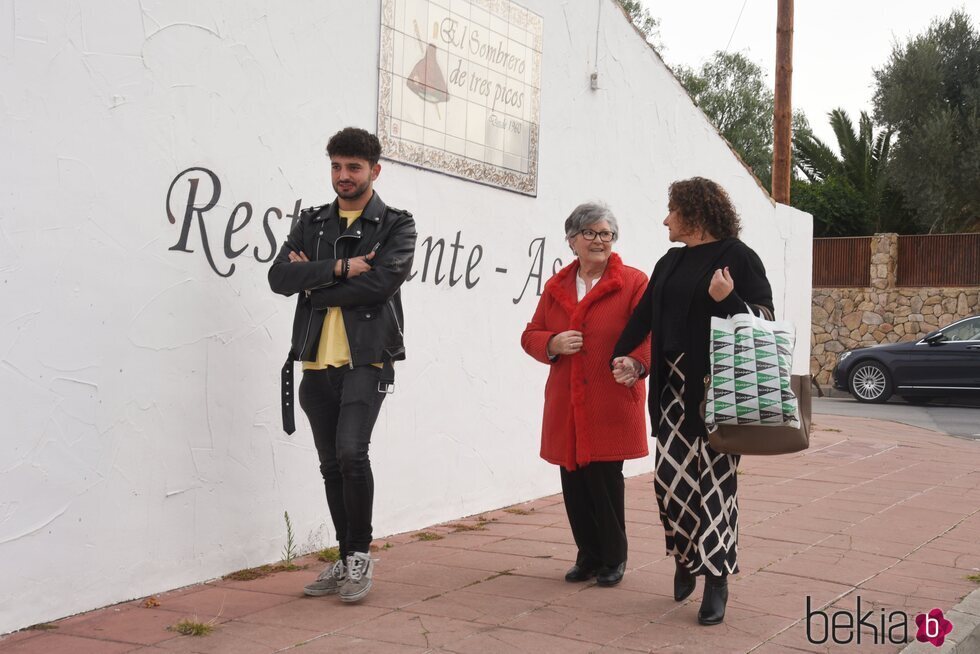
{"x": 611, "y": 576}
{"x": 579, "y": 573}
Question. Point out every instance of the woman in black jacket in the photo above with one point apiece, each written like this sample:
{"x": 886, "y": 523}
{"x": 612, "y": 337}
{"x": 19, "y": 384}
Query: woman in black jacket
{"x": 714, "y": 274}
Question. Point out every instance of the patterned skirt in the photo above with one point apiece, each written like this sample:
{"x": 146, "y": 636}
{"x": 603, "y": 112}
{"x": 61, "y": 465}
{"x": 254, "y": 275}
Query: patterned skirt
{"x": 696, "y": 486}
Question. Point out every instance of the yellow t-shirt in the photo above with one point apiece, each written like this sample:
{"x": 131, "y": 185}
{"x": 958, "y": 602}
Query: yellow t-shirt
{"x": 333, "y": 349}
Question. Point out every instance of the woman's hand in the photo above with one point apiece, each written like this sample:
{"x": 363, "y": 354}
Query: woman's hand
{"x": 626, "y": 371}
{"x": 721, "y": 284}
{"x": 568, "y": 342}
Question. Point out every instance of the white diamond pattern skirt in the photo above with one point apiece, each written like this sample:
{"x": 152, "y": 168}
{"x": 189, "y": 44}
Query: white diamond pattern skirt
{"x": 696, "y": 487}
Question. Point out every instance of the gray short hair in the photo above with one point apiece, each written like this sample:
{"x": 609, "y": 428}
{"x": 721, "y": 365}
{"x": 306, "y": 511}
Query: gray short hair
{"x": 589, "y": 213}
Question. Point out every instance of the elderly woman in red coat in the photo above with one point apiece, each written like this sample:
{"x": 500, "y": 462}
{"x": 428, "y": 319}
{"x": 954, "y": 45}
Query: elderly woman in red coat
{"x": 591, "y": 422}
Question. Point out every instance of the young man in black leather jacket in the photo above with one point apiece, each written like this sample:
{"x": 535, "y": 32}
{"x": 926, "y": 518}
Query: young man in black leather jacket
{"x": 347, "y": 261}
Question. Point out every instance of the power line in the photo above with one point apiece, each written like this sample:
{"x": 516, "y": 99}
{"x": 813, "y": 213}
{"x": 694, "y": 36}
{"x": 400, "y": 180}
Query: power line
{"x": 737, "y": 20}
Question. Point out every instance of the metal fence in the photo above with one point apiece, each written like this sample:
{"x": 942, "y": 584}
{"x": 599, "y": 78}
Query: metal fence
{"x": 938, "y": 260}
{"x": 842, "y": 261}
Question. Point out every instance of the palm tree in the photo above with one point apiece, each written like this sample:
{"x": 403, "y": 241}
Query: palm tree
{"x": 861, "y": 169}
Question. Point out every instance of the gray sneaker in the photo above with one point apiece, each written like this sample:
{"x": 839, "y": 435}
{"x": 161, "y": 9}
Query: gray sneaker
{"x": 329, "y": 581}
{"x": 360, "y": 570}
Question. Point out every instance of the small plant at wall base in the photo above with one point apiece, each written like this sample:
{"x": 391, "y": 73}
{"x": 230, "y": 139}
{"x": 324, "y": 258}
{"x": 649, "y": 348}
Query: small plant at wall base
{"x": 289, "y": 551}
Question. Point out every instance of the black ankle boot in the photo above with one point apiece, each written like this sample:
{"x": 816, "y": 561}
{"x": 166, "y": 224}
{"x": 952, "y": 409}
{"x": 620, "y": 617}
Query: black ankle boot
{"x": 684, "y": 581}
{"x": 714, "y": 601}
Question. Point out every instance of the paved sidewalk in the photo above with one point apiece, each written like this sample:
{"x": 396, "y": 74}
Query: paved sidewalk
{"x": 878, "y": 511}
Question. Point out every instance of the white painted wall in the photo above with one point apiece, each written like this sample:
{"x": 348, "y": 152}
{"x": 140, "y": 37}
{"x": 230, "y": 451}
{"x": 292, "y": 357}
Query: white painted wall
{"x": 141, "y": 446}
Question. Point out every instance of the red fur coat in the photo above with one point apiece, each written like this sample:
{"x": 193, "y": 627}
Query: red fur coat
{"x": 587, "y": 415}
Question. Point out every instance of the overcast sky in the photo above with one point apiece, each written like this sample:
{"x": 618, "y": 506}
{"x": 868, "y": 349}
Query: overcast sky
{"x": 836, "y": 44}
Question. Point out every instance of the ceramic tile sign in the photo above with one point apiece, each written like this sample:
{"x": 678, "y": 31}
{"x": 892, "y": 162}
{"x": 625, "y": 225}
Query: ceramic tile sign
{"x": 460, "y": 89}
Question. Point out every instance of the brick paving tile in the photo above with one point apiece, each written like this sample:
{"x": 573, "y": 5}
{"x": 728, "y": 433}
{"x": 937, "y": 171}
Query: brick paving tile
{"x": 482, "y": 560}
{"x": 353, "y": 645}
{"x": 288, "y": 584}
{"x": 621, "y": 602}
{"x": 129, "y": 625}
{"x": 465, "y": 540}
{"x": 524, "y": 547}
{"x": 523, "y": 587}
{"x": 50, "y": 643}
{"x": 546, "y": 568}
{"x": 506, "y": 641}
{"x": 878, "y": 600}
{"x": 945, "y": 592}
{"x": 237, "y": 637}
{"x": 779, "y": 594}
{"x": 393, "y": 595}
{"x": 796, "y": 639}
{"x": 476, "y": 607}
{"x": 228, "y": 603}
{"x": 846, "y": 567}
{"x": 508, "y": 529}
{"x": 870, "y": 544}
{"x": 687, "y": 637}
{"x": 430, "y": 575}
{"x": 530, "y": 518}
{"x": 9, "y": 640}
{"x": 415, "y": 629}
{"x": 577, "y": 623}
{"x": 551, "y": 535}
{"x": 321, "y": 614}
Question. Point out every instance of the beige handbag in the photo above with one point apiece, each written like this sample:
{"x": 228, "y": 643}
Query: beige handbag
{"x": 761, "y": 439}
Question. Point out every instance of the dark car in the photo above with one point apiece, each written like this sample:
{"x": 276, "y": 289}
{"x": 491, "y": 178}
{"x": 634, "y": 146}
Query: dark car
{"x": 945, "y": 363}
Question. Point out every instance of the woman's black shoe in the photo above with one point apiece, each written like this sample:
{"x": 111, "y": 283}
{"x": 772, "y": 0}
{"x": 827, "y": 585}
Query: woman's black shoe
{"x": 580, "y": 573}
{"x": 684, "y": 582}
{"x": 611, "y": 576}
{"x": 714, "y": 601}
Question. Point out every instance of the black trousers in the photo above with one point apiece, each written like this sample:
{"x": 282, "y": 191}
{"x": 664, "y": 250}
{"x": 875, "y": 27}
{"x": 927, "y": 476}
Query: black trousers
{"x": 342, "y": 405}
{"x": 595, "y": 497}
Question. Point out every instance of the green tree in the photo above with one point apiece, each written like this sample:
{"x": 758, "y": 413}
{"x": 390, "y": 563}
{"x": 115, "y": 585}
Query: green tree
{"x": 641, "y": 18}
{"x": 732, "y": 92}
{"x": 929, "y": 94}
{"x": 848, "y": 194}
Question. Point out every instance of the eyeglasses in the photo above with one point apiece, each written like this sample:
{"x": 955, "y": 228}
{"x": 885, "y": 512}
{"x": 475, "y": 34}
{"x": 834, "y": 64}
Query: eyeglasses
{"x": 605, "y": 235}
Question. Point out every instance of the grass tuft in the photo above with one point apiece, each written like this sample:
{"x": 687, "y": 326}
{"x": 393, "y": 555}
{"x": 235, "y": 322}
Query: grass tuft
{"x": 517, "y": 511}
{"x": 329, "y": 555}
{"x": 428, "y": 535}
{"x": 188, "y": 627}
{"x": 42, "y": 626}
{"x": 974, "y": 577}
{"x": 251, "y": 574}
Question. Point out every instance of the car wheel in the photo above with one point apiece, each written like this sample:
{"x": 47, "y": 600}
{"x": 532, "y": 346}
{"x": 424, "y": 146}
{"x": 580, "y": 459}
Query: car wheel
{"x": 870, "y": 382}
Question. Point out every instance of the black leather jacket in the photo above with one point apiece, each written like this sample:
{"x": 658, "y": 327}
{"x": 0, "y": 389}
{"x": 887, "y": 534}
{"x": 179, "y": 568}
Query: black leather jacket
{"x": 370, "y": 302}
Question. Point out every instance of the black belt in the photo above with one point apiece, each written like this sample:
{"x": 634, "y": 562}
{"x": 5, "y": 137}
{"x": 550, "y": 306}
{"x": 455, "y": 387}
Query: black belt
{"x": 386, "y": 384}
{"x": 288, "y": 395}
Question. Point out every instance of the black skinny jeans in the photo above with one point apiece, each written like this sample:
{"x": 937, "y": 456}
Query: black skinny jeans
{"x": 342, "y": 405}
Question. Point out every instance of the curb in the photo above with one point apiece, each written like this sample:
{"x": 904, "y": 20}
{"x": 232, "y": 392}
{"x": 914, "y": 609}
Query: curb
{"x": 965, "y": 637}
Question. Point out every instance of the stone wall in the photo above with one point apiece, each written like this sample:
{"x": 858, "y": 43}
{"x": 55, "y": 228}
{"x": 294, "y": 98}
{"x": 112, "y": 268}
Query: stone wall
{"x": 845, "y": 318}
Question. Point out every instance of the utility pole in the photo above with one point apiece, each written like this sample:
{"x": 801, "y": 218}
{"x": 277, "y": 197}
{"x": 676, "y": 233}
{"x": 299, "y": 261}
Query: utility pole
{"x": 782, "y": 123}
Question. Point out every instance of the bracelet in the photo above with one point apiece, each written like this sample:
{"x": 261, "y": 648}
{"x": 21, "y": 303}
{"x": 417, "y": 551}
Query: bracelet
{"x": 345, "y": 269}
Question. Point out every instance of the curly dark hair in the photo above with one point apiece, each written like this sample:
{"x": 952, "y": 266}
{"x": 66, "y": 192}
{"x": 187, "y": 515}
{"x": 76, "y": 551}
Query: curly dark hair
{"x": 704, "y": 204}
{"x": 355, "y": 142}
